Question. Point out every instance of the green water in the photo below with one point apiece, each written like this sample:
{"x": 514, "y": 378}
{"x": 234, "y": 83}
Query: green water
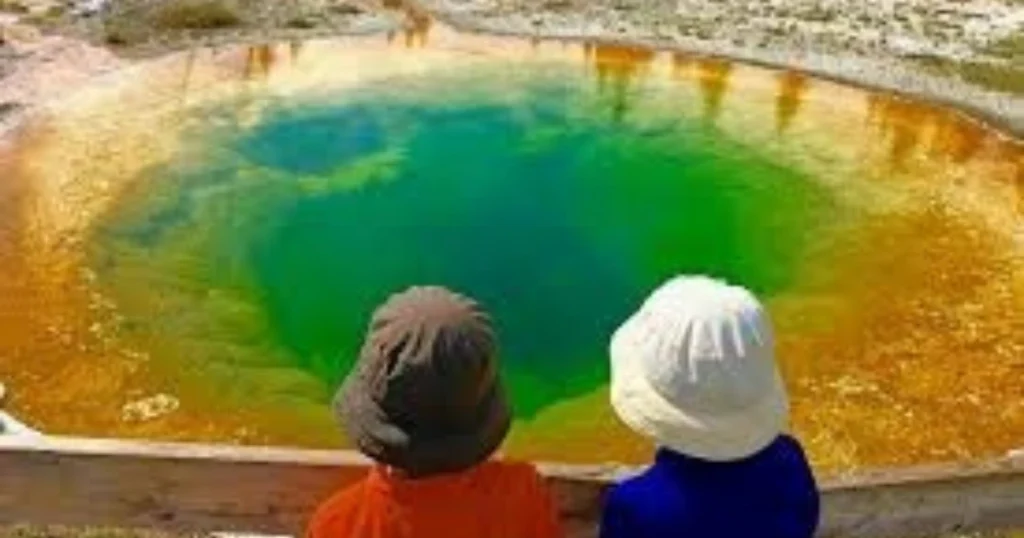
{"x": 261, "y": 251}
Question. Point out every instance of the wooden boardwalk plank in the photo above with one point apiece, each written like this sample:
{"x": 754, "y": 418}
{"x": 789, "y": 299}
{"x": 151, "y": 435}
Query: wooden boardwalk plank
{"x": 204, "y": 488}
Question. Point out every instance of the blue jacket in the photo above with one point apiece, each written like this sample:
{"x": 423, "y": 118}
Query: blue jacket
{"x": 771, "y": 494}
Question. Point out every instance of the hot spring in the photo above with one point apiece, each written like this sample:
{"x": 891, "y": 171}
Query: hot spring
{"x": 192, "y": 247}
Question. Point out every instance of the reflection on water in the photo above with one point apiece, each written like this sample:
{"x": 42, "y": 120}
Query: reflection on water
{"x": 203, "y": 247}
{"x": 186, "y": 77}
{"x": 295, "y": 50}
{"x": 956, "y": 140}
{"x": 681, "y": 63}
{"x": 416, "y": 24}
{"x": 713, "y": 75}
{"x": 792, "y": 87}
{"x": 417, "y": 29}
{"x": 259, "y": 61}
{"x": 616, "y": 68}
{"x": 901, "y": 122}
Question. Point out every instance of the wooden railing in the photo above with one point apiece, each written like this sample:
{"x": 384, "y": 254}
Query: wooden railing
{"x": 201, "y": 488}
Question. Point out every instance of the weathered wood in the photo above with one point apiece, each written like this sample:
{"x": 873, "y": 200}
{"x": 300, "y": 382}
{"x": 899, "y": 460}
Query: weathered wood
{"x": 182, "y": 487}
{"x": 926, "y": 501}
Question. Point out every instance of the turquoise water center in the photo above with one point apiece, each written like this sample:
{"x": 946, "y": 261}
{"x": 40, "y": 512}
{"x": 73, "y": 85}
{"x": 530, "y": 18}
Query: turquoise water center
{"x": 552, "y": 211}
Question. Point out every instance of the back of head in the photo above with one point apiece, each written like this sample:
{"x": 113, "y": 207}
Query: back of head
{"x": 694, "y": 369}
{"x": 425, "y": 395}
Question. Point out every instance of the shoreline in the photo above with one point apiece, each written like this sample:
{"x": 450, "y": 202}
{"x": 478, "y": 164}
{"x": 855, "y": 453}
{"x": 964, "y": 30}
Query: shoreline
{"x": 1001, "y": 112}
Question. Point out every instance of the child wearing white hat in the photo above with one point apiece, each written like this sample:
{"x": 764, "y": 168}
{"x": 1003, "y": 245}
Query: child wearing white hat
{"x": 694, "y": 370}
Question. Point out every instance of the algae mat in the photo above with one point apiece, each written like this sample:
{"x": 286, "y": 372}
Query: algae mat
{"x": 192, "y": 247}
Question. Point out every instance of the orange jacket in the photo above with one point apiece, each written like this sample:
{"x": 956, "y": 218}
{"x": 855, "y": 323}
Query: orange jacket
{"x": 491, "y": 500}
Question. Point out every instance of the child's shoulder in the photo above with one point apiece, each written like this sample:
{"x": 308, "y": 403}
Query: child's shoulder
{"x": 510, "y": 470}
{"x": 646, "y": 488}
{"x": 514, "y": 478}
{"x": 788, "y": 450}
{"x": 789, "y": 442}
{"x": 337, "y": 512}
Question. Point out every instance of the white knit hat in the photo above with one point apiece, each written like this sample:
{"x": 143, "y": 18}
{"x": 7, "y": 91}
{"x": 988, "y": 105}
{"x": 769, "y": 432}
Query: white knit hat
{"x": 694, "y": 369}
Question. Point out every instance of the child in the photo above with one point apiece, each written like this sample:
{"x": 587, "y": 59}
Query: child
{"x": 694, "y": 370}
{"x": 426, "y": 403}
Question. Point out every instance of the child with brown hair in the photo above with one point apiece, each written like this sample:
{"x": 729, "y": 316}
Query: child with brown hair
{"x": 426, "y": 403}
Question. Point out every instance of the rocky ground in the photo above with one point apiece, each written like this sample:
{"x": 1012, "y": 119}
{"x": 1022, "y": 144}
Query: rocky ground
{"x": 985, "y": 31}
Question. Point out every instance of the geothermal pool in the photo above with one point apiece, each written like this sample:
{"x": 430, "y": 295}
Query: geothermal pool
{"x": 192, "y": 247}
